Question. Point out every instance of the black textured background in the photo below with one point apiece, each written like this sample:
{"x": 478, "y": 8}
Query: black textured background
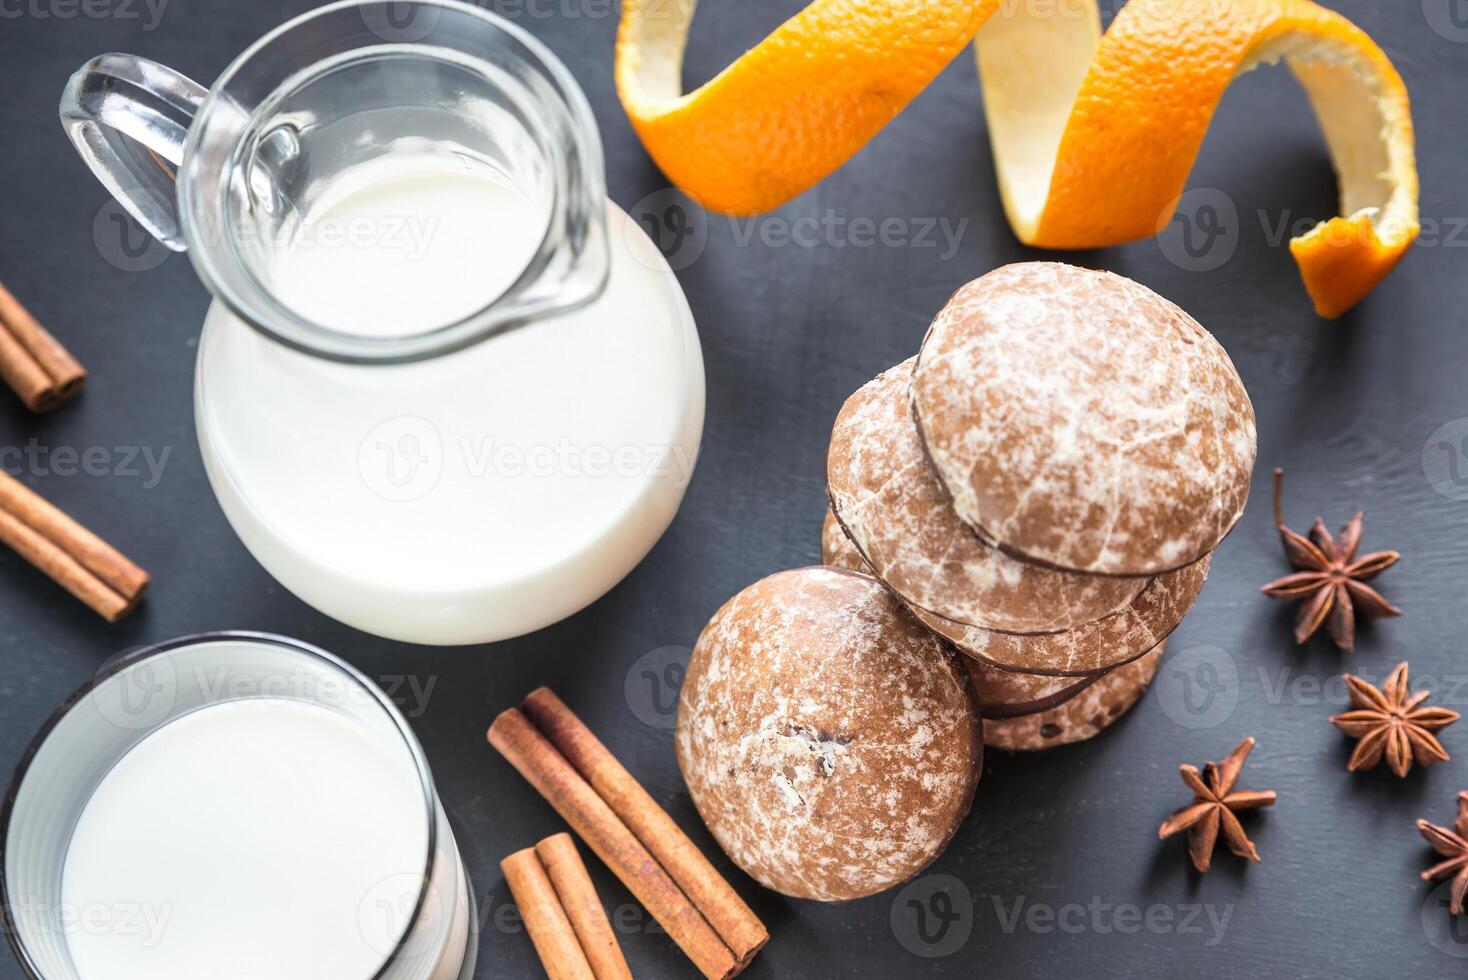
{"x": 1059, "y": 859}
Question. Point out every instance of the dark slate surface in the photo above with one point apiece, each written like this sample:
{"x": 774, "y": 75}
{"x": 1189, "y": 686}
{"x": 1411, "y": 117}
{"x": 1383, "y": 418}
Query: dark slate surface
{"x": 1059, "y": 868}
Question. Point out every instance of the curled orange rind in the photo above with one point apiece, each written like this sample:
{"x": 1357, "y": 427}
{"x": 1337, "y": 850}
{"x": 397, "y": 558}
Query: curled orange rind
{"x": 1093, "y": 134}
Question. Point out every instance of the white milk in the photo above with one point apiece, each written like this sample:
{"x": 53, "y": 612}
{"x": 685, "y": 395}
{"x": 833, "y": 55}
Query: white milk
{"x": 470, "y": 497}
{"x": 247, "y": 839}
{"x": 401, "y": 247}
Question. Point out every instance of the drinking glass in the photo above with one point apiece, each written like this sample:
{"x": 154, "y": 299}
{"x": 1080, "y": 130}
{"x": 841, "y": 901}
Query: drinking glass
{"x": 137, "y": 693}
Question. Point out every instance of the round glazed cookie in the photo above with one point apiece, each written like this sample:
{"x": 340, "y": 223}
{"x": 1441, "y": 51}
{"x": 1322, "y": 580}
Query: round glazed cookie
{"x": 1096, "y": 646}
{"x": 1082, "y": 716}
{"x": 830, "y": 743}
{"x": 1080, "y": 420}
{"x": 899, "y": 517}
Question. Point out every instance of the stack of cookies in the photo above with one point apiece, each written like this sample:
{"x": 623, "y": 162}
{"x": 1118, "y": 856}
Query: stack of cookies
{"x": 1042, "y": 486}
{"x": 1020, "y": 515}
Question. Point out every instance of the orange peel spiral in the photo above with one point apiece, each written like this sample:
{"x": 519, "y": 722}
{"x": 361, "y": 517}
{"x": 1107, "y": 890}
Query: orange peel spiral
{"x": 1093, "y": 133}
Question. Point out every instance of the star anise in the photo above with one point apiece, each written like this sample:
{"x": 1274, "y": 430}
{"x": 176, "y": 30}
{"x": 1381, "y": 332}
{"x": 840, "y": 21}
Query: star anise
{"x": 1214, "y": 804}
{"x": 1453, "y": 845}
{"x": 1332, "y": 580}
{"x": 1392, "y": 724}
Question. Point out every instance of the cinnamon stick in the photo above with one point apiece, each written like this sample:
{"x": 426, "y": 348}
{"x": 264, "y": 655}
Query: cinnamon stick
{"x": 32, "y": 362}
{"x": 578, "y": 804}
{"x": 545, "y": 919}
{"x": 573, "y": 885}
{"x": 710, "y": 893}
{"x": 73, "y": 557}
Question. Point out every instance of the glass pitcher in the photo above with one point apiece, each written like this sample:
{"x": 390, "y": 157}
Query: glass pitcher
{"x": 446, "y": 393}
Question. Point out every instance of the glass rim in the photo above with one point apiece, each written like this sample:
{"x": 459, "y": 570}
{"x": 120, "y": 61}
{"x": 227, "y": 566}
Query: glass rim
{"x": 273, "y": 318}
{"x": 132, "y": 657}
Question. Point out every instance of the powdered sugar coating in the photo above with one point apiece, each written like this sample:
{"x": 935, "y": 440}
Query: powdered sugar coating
{"x": 1083, "y": 716}
{"x": 831, "y": 744}
{"x": 1096, "y": 646}
{"x": 897, "y": 514}
{"x": 1081, "y": 420}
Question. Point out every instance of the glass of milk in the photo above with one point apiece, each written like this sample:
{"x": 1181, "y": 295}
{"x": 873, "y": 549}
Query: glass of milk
{"x": 447, "y": 393}
{"x": 232, "y": 806}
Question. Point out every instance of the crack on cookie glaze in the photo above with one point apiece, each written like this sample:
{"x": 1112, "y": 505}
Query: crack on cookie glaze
{"x": 802, "y": 749}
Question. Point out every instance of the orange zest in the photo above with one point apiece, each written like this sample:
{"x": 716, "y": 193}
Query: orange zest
{"x": 1093, "y": 134}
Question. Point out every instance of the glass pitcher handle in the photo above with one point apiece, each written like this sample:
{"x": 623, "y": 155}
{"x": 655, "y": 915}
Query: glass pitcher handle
{"x": 128, "y": 117}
